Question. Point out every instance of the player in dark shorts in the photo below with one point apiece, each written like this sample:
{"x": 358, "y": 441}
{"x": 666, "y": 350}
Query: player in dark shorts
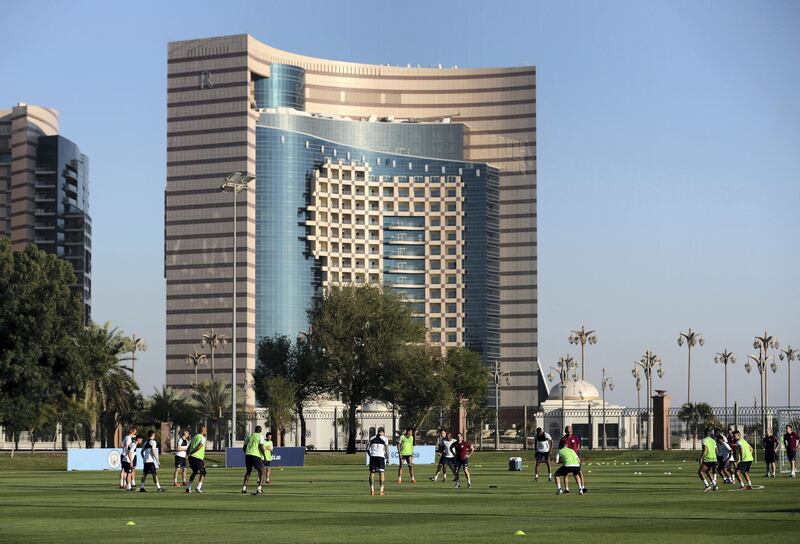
{"x": 745, "y": 455}
{"x": 573, "y": 442}
{"x": 708, "y": 462}
{"x": 445, "y": 456}
{"x": 790, "y": 442}
{"x": 770, "y": 445}
{"x": 724, "y": 455}
{"x": 461, "y": 451}
{"x": 378, "y": 451}
{"x": 544, "y": 443}
{"x": 180, "y": 458}
{"x": 254, "y": 455}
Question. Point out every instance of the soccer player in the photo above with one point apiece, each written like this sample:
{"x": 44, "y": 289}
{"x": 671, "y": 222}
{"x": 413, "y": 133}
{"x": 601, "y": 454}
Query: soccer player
{"x": 573, "y": 442}
{"x": 790, "y": 441}
{"x": 570, "y": 464}
{"x": 770, "y": 444}
{"x": 745, "y": 455}
{"x": 151, "y": 461}
{"x": 724, "y": 454}
{"x": 708, "y": 462}
{"x": 254, "y": 457}
{"x": 445, "y": 456}
{"x": 544, "y": 442}
{"x": 133, "y": 446}
{"x": 268, "y": 456}
{"x": 378, "y": 450}
{"x": 125, "y": 460}
{"x": 461, "y": 451}
{"x": 180, "y": 458}
{"x": 197, "y": 456}
{"x": 405, "y": 452}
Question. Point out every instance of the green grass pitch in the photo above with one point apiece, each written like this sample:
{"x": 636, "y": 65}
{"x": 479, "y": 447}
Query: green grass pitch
{"x": 328, "y": 501}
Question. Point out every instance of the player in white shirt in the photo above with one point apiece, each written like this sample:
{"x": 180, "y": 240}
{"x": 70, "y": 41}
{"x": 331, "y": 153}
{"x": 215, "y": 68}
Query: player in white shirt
{"x": 151, "y": 462}
{"x": 125, "y": 465}
{"x": 180, "y": 458}
{"x": 544, "y": 442}
{"x": 446, "y": 457}
{"x": 378, "y": 450}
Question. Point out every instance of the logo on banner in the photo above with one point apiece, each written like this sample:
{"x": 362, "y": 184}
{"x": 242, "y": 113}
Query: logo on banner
{"x": 114, "y": 459}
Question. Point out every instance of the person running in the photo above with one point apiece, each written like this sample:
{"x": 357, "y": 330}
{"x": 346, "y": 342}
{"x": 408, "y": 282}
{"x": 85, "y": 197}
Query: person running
{"x": 570, "y": 464}
{"x": 445, "y": 456}
{"x": 790, "y": 442}
{"x": 770, "y": 444}
{"x": 151, "y": 461}
{"x": 197, "y": 455}
{"x": 180, "y": 458}
{"x": 724, "y": 454}
{"x": 405, "y": 452}
{"x": 708, "y": 462}
{"x": 544, "y": 443}
{"x": 125, "y": 460}
{"x": 254, "y": 456}
{"x": 378, "y": 450}
{"x": 268, "y": 457}
{"x": 745, "y": 455}
{"x": 461, "y": 451}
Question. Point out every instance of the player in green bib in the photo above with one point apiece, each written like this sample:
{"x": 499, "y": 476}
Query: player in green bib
{"x": 197, "y": 456}
{"x": 745, "y": 453}
{"x": 405, "y": 453}
{"x": 708, "y": 462}
{"x": 254, "y": 457}
{"x": 570, "y": 464}
{"x": 268, "y": 455}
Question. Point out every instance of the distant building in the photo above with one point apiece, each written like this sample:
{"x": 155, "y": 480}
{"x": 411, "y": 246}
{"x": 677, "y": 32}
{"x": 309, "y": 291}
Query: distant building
{"x": 422, "y": 180}
{"x": 44, "y": 191}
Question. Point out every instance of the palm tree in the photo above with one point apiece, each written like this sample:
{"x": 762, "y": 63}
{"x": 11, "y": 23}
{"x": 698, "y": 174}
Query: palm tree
{"x": 169, "y": 405}
{"x": 696, "y": 415}
{"x": 214, "y": 341}
{"x": 212, "y": 402}
{"x": 108, "y": 388}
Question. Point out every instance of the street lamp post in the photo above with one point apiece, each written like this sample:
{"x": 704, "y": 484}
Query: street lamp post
{"x": 725, "y": 358}
{"x": 496, "y": 376}
{"x": 691, "y": 338}
{"x": 763, "y": 344}
{"x": 638, "y": 378}
{"x": 606, "y": 382}
{"x": 213, "y": 340}
{"x": 648, "y": 363}
{"x": 790, "y": 355}
{"x": 236, "y": 182}
{"x": 564, "y": 366}
{"x": 137, "y": 344}
{"x": 582, "y": 337}
{"x": 196, "y": 359}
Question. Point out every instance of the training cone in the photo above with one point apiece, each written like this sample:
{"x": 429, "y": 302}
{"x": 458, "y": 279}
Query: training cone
{"x": 519, "y": 532}
{"x": 130, "y": 523}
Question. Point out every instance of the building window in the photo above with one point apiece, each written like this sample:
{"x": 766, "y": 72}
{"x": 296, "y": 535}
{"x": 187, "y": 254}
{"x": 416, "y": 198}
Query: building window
{"x": 308, "y": 144}
{"x": 477, "y": 172}
{"x": 426, "y": 167}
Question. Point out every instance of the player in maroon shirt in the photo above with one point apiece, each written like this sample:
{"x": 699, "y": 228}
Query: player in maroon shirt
{"x": 461, "y": 450}
{"x": 573, "y": 442}
{"x": 790, "y": 442}
{"x": 732, "y": 443}
{"x": 770, "y": 444}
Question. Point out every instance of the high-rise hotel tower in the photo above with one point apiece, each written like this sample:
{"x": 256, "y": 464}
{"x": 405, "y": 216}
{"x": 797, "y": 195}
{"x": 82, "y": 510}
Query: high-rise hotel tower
{"x": 419, "y": 179}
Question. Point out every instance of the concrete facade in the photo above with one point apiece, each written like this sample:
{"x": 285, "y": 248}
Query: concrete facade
{"x": 212, "y": 119}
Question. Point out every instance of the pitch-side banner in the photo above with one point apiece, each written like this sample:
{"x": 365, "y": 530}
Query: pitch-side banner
{"x": 423, "y": 455}
{"x": 98, "y": 459}
{"x": 281, "y": 457}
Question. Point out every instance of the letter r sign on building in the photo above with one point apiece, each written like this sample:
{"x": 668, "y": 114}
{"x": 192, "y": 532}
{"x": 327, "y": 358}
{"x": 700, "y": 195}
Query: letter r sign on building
{"x": 205, "y": 80}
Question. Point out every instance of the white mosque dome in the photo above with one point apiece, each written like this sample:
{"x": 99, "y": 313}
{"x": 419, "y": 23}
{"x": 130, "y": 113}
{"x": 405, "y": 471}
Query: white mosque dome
{"x": 575, "y": 390}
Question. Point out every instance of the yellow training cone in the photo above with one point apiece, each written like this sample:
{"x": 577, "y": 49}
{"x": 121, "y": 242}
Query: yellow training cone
{"x": 130, "y": 524}
{"x": 519, "y": 532}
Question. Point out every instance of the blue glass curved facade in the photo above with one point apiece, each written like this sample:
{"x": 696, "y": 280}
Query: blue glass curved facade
{"x": 290, "y": 149}
{"x": 284, "y": 88}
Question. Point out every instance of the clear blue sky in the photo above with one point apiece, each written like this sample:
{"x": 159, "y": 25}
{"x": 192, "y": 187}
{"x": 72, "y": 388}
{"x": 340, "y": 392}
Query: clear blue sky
{"x": 669, "y": 153}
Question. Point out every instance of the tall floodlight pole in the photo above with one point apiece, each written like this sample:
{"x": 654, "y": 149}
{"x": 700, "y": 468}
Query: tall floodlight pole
{"x": 789, "y": 355}
{"x": 648, "y": 363}
{"x": 496, "y": 376}
{"x": 194, "y": 360}
{"x": 606, "y": 382}
{"x": 136, "y": 344}
{"x": 214, "y": 341}
{"x": 236, "y": 182}
{"x": 691, "y": 339}
{"x": 725, "y": 358}
{"x": 582, "y": 337}
{"x": 638, "y": 377}
{"x": 763, "y": 344}
{"x": 564, "y": 366}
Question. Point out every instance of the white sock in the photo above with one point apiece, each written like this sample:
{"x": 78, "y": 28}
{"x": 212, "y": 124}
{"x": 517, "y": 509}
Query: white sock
{"x": 200, "y": 486}
{"x": 705, "y": 482}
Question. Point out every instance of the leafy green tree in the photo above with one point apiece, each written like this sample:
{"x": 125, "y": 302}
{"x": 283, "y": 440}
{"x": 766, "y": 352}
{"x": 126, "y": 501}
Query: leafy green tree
{"x": 295, "y": 362}
{"x": 39, "y": 320}
{"x": 696, "y": 415}
{"x": 280, "y": 399}
{"x": 418, "y": 384}
{"x": 360, "y": 332}
{"x": 467, "y": 375}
